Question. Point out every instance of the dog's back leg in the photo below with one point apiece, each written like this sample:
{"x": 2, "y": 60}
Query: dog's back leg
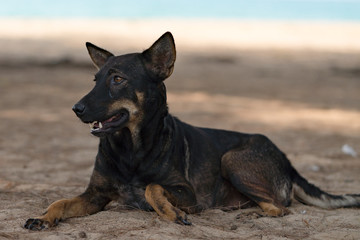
{"x": 259, "y": 171}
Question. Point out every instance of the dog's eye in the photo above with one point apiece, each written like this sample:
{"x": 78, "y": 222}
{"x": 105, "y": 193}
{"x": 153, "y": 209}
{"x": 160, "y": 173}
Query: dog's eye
{"x": 117, "y": 79}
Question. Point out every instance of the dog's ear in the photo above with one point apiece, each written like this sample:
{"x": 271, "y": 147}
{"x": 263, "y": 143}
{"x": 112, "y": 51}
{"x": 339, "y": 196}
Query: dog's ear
{"x": 160, "y": 57}
{"x": 98, "y": 55}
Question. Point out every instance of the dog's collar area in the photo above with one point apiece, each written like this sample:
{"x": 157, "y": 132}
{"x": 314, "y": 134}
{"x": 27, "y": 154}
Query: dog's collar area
{"x": 110, "y": 124}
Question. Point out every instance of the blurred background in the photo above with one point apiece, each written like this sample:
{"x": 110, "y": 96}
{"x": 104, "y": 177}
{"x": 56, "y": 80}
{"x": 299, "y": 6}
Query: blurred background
{"x": 303, "y": 52}
{"x": 289, "y": 69}
{"x": 281, "y": 24}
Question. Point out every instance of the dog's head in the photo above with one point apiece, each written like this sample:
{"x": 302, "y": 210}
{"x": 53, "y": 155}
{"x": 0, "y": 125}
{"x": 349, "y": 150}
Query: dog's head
{"x": 128, "y": 88}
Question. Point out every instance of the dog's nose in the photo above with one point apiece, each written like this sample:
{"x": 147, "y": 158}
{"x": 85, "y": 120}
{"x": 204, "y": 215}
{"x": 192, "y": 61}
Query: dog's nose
{"x": 79, "y": 109}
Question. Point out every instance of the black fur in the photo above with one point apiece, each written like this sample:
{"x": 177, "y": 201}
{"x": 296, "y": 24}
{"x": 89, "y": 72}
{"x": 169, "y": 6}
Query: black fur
{"x": 178, "y": 156}
{"x": 149, "y": 159}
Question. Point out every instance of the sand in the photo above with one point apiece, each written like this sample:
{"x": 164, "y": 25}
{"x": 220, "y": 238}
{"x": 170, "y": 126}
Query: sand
{"x": 296, "y": 82}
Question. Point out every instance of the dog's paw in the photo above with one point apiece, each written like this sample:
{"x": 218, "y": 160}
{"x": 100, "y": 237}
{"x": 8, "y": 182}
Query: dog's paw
{"x": 38, "y": 224}
{"x": 182, "y": 218}
{"x": 35, "y": 224}
{"x": 183, "y": 221}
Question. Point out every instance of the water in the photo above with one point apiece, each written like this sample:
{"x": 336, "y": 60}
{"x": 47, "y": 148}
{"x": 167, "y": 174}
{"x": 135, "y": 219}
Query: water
{"x": 344, "y": 10}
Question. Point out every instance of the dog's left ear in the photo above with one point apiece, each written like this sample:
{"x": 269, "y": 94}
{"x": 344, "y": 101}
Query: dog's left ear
{"x": 98, "y": 55}
{"x": 160, "y": 57}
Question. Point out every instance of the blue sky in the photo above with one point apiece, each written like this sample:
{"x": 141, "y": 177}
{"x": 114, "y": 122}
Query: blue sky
{"x": 348, "y": 10}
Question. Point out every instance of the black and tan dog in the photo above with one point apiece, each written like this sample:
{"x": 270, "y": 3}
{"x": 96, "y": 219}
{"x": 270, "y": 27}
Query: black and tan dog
{"x": 151, "y": 160}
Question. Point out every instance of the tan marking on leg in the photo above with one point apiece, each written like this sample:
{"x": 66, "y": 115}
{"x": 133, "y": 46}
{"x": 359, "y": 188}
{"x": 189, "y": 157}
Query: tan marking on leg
{"x": 271, "y": 210}
{"x": 60, "y": 210}
{"x": 67, "y": 208}
{"x": 155, "y": 195}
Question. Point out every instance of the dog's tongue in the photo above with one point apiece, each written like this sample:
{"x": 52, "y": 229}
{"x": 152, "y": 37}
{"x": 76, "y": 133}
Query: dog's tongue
{"x": 99, "y": 125}
{"x": 109, "y": 123}
{"x": 109, "y": 120}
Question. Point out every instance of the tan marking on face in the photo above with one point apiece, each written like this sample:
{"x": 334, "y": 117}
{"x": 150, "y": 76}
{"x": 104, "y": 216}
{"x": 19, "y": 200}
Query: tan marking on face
{"x": 135, "y": 113}
{"x": 140, "y": 97}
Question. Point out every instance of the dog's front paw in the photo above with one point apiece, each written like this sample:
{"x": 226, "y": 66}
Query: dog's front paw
{"x": 39, "y": 224}
{"x": 35, "y": 224}
{"x": 181, "y": 217}
{"x": 183, "y": 220}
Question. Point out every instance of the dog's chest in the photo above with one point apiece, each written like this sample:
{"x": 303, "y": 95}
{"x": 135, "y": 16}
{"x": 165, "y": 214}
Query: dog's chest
{"x": 133, "y": 196}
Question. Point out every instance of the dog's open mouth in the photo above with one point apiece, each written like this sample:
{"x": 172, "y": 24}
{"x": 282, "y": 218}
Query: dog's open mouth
{"x": 109, "y": 125}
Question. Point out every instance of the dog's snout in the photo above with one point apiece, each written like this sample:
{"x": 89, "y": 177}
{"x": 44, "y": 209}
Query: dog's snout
{"x": 79, "y": 109}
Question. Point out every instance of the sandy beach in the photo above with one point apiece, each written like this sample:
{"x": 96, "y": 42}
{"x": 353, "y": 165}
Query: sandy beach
{"x": 68, "y": 35}
{"x": 296, "y": 82}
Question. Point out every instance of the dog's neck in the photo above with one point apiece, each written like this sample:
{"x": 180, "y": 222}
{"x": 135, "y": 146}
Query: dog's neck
{"x": 132, "y": 147}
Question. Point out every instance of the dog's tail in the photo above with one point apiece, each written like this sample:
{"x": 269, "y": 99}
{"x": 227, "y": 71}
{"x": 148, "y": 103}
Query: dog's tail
{"x": 308, "y": 193}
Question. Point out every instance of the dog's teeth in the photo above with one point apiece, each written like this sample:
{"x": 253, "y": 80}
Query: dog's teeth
{"x": 92, "y": 125}
{"x": 100, "y": 125}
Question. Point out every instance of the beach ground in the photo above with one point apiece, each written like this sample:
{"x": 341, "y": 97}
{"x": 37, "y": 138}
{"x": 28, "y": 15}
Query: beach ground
{"x": 300, "y": 88}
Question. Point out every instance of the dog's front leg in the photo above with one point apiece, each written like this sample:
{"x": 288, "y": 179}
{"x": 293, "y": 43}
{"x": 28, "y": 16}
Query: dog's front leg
{"x": 93, "y": 200}
{"x": 62, "y": 209}
{"x": 159, "y": 199}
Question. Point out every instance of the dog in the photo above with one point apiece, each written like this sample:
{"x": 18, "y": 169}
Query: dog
{"x": 150, "y": 160}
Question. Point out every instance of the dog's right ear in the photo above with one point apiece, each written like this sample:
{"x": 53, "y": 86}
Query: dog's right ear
{"x": 98, "y": 55}
{"x": 160, "y": 57}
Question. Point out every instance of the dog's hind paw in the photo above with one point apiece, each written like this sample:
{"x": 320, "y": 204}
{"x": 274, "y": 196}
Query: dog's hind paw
{"x": 38, "y": 224}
